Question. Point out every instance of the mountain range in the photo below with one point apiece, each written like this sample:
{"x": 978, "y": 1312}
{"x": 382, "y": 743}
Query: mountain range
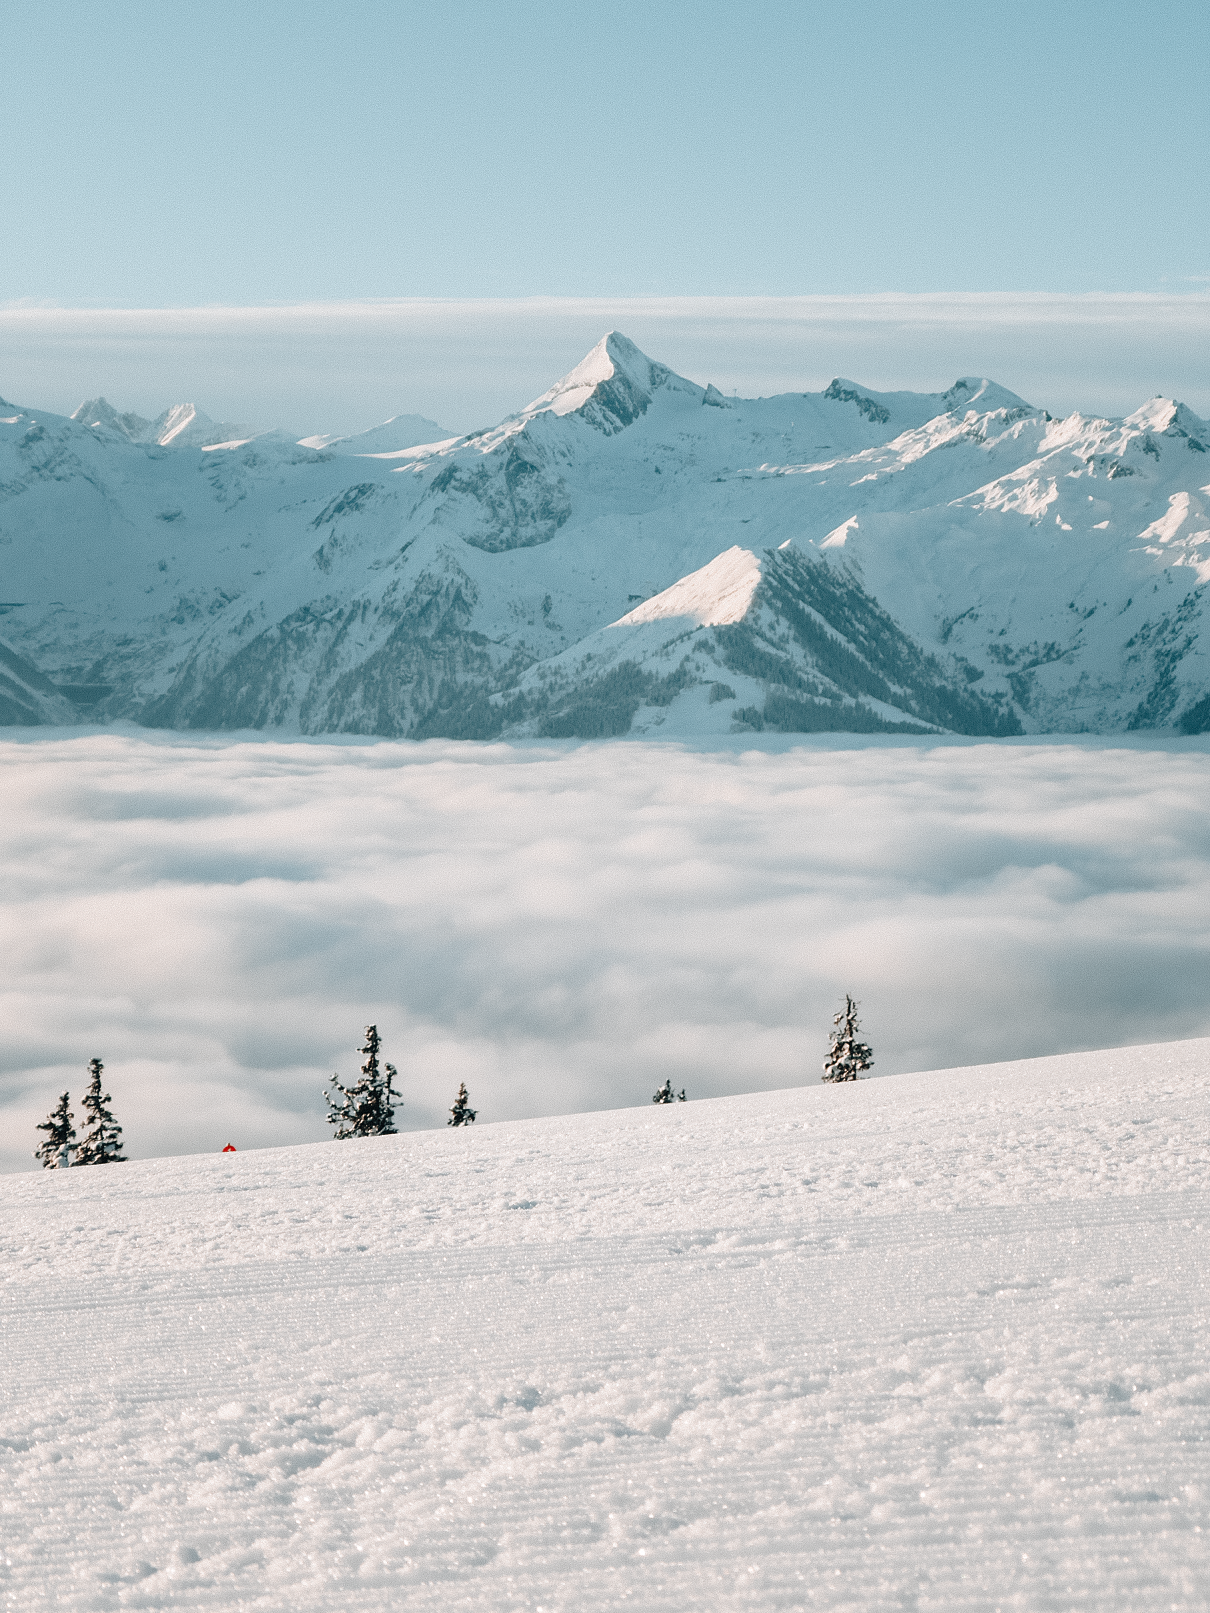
{"x": 631, "y": 552}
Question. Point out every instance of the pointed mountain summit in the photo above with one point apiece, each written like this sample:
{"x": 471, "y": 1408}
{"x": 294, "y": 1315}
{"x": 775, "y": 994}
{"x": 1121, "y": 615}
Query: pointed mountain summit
{"x": 184, "y": 425}
{"x": 181, "y": 425}
{"x": 99, "y": 415}
{"x": 610, "y": 388}
{"x": 714, "y": 596}
{"x": 984, "y": 396}
{"x": 1173, "y": 419}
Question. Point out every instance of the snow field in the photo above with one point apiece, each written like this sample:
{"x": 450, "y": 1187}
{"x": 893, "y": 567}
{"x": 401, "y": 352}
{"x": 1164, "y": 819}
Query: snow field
{"x": 931, "y": 1342}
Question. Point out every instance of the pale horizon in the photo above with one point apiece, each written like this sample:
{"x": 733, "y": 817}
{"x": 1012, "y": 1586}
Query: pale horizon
{"x": 342, "y": 366}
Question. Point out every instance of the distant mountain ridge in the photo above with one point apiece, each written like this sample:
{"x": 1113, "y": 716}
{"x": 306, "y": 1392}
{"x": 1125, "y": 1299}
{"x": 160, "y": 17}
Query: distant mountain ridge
{"x": 631, "y": 552}
{"x": 393, "y": 436}
{"x": 182, "y": 424}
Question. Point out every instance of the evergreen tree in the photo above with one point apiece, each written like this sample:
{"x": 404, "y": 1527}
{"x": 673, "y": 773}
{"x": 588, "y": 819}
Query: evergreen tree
{"x": 462, "y": 1114}
{"x": 665, "y": 1094}
{"x": 847, "y": 1057}
{"x": 366, "y": 1109}
{"x": 55, "y": 1152}
{"x": 103, "y": 1139}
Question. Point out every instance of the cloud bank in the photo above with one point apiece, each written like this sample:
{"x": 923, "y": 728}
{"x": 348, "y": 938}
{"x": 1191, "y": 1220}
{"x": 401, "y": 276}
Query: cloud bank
{"x": 563, "y": 928}
{"x": 344, "y": 366}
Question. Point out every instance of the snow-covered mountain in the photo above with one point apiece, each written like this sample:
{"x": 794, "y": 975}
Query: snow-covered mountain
{"x": 632, "y": 551}
{"x": 391, "y": 437}
{"x": 182, "y": 424}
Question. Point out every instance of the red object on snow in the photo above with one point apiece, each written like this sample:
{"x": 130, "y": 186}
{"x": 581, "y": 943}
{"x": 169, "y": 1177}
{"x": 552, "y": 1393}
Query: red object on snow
{"x": 230, "y": 1148}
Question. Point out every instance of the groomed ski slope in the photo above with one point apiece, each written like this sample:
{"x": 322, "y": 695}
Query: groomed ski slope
{"x": 929, "y": 1342}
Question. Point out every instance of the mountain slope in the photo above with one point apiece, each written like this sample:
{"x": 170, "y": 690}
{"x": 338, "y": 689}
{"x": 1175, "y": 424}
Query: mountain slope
{"x": 956, "y": 559}
{"x": 28, "y": 698}
{"x": 812, "y": 1348}
{"x": 393, "y": 436}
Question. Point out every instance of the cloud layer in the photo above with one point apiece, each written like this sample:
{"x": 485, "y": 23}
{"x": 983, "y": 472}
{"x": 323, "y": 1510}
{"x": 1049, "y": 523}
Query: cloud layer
{"x": 466, "y": 364}
{"x": 563, "y": 928}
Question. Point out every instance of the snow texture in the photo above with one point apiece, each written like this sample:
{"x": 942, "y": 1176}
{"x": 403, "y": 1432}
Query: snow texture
{"x": 567, "y": 928}
{"x": 930, "y": 1342}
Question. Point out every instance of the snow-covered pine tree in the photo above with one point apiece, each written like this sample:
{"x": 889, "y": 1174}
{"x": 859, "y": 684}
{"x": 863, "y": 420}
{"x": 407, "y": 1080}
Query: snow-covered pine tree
{"x": 847, "y": 1057}
{"x": 102, "y": 1142}
{"x": 366, "y": 1109}
{"x": 665, "y": 1094}
{"x": 55, "y": 1152}
{"x": 462, "y": 1114}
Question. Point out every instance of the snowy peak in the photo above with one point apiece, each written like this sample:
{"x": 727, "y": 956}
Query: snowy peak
{"x": 613, "y": 355}
{"x": 610, "y": 388}
{"x": 177, "y": 420}
{"x": 895, "y": 408}
{"x": 184, "y": 425}
{"x": 1170, "y": 419}
{"x": 984, "y": 396}
{"x": 1157, "y": 414}
{"x": 181, "y": 425}
{"x": 394, "y": 436}
{"x": 715, "y": 596}
{"x": 99, "y": 415}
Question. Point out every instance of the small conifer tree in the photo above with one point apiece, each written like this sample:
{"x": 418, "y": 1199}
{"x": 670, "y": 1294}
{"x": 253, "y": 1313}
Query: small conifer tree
{"x": 847, "y": 1057}
{"x": 102, "y": 1142}
{"x": 665, "y": 1094}
{"x": 55, "y": 1152}
{"x": 462, "y": 1114}
{"x": 367, "y": 1108}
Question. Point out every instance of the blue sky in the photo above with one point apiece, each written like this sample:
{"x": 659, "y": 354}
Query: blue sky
{"x": 440, "y": 209}
{"x": 161, "y": 156}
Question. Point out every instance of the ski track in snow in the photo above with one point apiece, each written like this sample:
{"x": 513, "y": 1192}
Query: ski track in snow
{"x": 935, "y": 1342}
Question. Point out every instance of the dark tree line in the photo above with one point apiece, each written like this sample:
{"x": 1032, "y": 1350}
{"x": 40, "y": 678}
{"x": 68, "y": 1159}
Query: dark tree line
{"x": 367, "y": 1107}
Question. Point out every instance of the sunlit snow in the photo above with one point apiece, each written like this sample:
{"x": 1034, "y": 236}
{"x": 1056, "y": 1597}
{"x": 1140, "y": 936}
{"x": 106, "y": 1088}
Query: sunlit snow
{"x": 933, "y": 1342}
{"x": 719, "y": 593}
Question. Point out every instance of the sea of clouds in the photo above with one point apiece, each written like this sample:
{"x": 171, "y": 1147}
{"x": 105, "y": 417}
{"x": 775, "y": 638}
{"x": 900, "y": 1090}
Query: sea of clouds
{"x": 563, "y": 927}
